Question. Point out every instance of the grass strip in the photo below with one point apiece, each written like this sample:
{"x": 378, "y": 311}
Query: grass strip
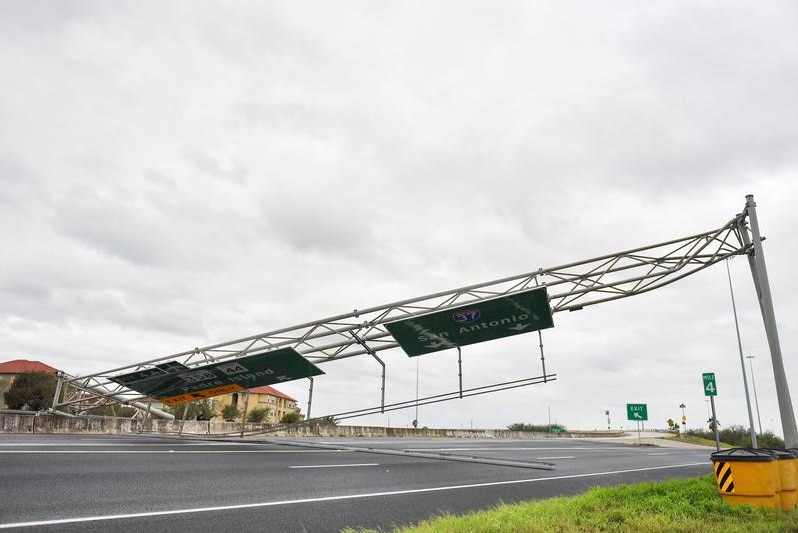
{"x": 692, "y": 439}
{"x": 680, "y": 505}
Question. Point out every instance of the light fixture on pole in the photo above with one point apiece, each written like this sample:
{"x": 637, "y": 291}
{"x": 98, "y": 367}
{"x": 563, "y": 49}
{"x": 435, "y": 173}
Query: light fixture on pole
{"x": 756, "y": 400}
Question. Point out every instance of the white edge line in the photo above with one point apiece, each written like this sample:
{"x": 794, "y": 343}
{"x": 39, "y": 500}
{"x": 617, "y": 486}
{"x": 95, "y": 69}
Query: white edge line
{"x": 95, "y": 452}
{"x": 335, "y": 466}
{"x": 331, "y": 498}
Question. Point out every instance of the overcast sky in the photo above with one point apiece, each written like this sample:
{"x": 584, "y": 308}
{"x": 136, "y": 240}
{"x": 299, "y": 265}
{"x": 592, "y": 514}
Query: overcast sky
{"x": 178, "y": 174}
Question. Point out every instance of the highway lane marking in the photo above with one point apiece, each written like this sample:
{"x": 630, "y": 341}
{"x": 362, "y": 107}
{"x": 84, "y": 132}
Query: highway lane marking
{"x": 129, "y": 516}
{"x": 112, "y": 445}
{"x": 335, "y": 466}
{"x": 559, "y": 457}
{"x": 4, "y": 452}
{"x": 525, "y": 449}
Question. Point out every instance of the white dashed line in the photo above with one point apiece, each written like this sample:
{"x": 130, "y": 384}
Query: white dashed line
{"x": 335, "y": 466}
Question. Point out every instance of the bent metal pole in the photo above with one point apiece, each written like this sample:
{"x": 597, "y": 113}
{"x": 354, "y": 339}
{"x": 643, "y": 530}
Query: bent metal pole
{"x": 759, "y": 272}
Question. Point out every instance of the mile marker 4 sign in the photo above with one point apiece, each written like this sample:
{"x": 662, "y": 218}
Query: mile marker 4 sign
{"x": 710, "y": 388}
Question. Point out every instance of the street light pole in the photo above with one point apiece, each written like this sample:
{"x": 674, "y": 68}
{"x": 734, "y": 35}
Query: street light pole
{"x": 754, "y": 443}
{"x": 753, "y": 382}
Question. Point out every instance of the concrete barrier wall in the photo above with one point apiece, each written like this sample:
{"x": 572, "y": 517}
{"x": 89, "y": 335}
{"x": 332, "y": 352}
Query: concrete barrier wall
{"x": 45, "y": 423}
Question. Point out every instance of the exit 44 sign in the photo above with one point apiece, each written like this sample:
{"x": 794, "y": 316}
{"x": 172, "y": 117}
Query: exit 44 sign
{"x": 710, "y": 387}
{"x": 637, "y": 411}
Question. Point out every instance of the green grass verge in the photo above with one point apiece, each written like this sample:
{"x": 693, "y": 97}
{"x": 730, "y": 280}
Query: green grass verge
{"x": 682, "y": 505}
{"x": 692, "y": 439}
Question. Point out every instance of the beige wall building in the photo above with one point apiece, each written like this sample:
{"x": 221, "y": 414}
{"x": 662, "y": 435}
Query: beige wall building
{"x": 275, "y": 401}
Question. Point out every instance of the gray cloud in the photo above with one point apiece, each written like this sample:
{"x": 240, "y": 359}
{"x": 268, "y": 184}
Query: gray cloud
{"x": 212, "y": 172}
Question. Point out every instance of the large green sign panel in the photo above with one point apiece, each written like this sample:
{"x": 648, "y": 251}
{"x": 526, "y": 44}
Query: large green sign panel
{"x": 483, "y": 321}
{"x": 637, "y": 411}
{"x": 174, "y": 383}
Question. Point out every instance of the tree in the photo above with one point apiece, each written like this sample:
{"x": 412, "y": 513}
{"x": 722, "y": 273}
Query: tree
{"x": 258, "y": 414}
{"x": 291, "y": 417}
{"x": 230, "y": 412}
{"x": 197, "y": 410}
{"x": 31, "y": 390}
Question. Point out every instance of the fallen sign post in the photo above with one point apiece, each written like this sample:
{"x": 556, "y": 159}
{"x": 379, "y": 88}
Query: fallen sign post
{"x": 637, "y": 412}
{"x": 521, "y": 312}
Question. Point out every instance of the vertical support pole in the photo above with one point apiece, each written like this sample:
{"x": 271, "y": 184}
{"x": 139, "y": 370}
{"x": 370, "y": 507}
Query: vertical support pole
{"x": 382, "y": 397}
{"x": 715, "y": 423}
{"x": 639, "y": 442}
{"x": 380, "y": 361}
{"x": 57, "y": 395}
{"x": 542, "y": 357}
{"x": 415, "y": 420}
{"x": 754, "y": 443}
{"x": 310, "y": 396}
{"x": 382, "y": 387}
{"x": 183, "y": 420}
{"x": 759, "y": 272}
{"x": 244, "y": 412}
{"x": 147, "y": 415}
{"x": 460, "y": 370}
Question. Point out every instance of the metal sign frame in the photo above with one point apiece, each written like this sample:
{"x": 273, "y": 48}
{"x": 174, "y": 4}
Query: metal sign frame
{"x": 571, "y": 287}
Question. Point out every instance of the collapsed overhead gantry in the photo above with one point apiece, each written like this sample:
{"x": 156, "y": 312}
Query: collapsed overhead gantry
{"x": 570, "y": 287}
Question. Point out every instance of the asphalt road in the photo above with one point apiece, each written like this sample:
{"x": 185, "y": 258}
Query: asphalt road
{"x": 141, "y": 483}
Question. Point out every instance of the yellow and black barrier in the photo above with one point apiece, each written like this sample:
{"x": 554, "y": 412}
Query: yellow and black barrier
{"x": 747, "y": 476}
{"x": 787, "y": 463}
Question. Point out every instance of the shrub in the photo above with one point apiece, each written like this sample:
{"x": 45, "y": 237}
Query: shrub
{"x": 230, "y": 413}
{"x": 291, "y": 417}
{"x": 258, "y": 414}
{"x": 534, "y": 428}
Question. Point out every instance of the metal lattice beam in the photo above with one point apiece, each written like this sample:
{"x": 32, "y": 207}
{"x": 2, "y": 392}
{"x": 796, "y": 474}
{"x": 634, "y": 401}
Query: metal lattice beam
{"x": 362, "y": 332}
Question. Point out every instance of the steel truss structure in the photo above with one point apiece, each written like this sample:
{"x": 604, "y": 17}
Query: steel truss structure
{"x": 570, "y": 287}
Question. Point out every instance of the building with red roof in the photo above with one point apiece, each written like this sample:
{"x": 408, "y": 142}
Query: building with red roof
{"x": 11, "y": 369}
{"x": 278, "y": 403}
{"x": 19, "y": 366}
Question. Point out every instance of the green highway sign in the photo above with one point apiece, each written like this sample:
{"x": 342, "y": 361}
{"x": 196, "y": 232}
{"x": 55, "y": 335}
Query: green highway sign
{"x": 710, "y": 387}
{"x": 174, "y": 383}
{"x": 637, "y": 412}
{"x": 487, "y": 320}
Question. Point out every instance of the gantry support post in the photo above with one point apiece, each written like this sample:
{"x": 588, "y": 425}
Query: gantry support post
{"x": 57, "y": 395}
{"x": 760, "y": 275}
{"x": 380, "y": 361}
{"x": 310, "y": 396}
{"x": 460, "y": 370}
